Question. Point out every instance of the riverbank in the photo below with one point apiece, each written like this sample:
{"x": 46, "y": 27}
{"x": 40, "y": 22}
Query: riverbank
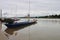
{"x": 2, "y": 34}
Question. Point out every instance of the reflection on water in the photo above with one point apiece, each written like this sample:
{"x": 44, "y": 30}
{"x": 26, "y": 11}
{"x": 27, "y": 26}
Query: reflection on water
{"x": 11, "y": 30}
{"x": 50, "y": 20}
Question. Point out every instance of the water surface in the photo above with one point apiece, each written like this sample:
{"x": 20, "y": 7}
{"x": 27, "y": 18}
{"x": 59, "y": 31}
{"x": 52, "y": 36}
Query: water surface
{"x": 44, "y": 29}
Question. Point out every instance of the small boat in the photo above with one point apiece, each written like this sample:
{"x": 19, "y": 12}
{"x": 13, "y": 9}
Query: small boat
{"x": 16, "y": 24}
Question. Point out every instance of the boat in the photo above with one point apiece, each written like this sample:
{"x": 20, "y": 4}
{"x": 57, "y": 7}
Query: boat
{"x": 18, "y": 24}
{"x": 13, "y": 24}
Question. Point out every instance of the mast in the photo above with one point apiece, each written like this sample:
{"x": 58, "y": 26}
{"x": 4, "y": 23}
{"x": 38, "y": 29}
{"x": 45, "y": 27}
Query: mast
{"x": 16, "y": 10}
{"x": 0, "y": 13}
{"x": 15, "y": 16}
{"x": 29, "y": 8}
{"x": 29, "y": 11}
{"x": 0, "y": 19}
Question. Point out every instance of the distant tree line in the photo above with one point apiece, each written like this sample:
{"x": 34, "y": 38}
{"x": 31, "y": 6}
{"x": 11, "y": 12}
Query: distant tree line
{"x": 50, "y": 16}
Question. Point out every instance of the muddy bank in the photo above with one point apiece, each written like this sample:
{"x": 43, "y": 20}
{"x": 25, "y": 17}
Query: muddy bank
{"x": 2, "y": 34}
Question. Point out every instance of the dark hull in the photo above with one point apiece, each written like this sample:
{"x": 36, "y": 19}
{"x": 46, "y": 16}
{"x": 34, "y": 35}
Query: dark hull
{"x": 14, "y": 25}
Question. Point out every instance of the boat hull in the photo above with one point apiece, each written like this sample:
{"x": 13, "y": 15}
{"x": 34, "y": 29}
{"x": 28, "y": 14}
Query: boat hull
{"x": 14, "y": 25}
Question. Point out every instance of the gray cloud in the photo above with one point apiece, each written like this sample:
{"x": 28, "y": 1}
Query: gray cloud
{"x": 38, "y": 7}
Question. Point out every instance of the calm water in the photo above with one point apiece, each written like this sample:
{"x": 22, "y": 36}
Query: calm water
{"x": 44, "y": 29}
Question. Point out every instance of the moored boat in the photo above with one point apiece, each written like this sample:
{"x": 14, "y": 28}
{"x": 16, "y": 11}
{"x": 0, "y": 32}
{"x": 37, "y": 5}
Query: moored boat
{"x": 16, "y": 24}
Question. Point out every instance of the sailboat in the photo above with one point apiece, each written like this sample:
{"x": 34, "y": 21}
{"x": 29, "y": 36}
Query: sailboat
{"x": 18, "y": 24}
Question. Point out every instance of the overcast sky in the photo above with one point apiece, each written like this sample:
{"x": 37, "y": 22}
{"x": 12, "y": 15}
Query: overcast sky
{"x": 37, "y": 7}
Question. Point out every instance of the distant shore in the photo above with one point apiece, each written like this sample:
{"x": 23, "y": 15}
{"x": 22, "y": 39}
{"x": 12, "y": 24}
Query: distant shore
{"x": 49, "y": 16}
